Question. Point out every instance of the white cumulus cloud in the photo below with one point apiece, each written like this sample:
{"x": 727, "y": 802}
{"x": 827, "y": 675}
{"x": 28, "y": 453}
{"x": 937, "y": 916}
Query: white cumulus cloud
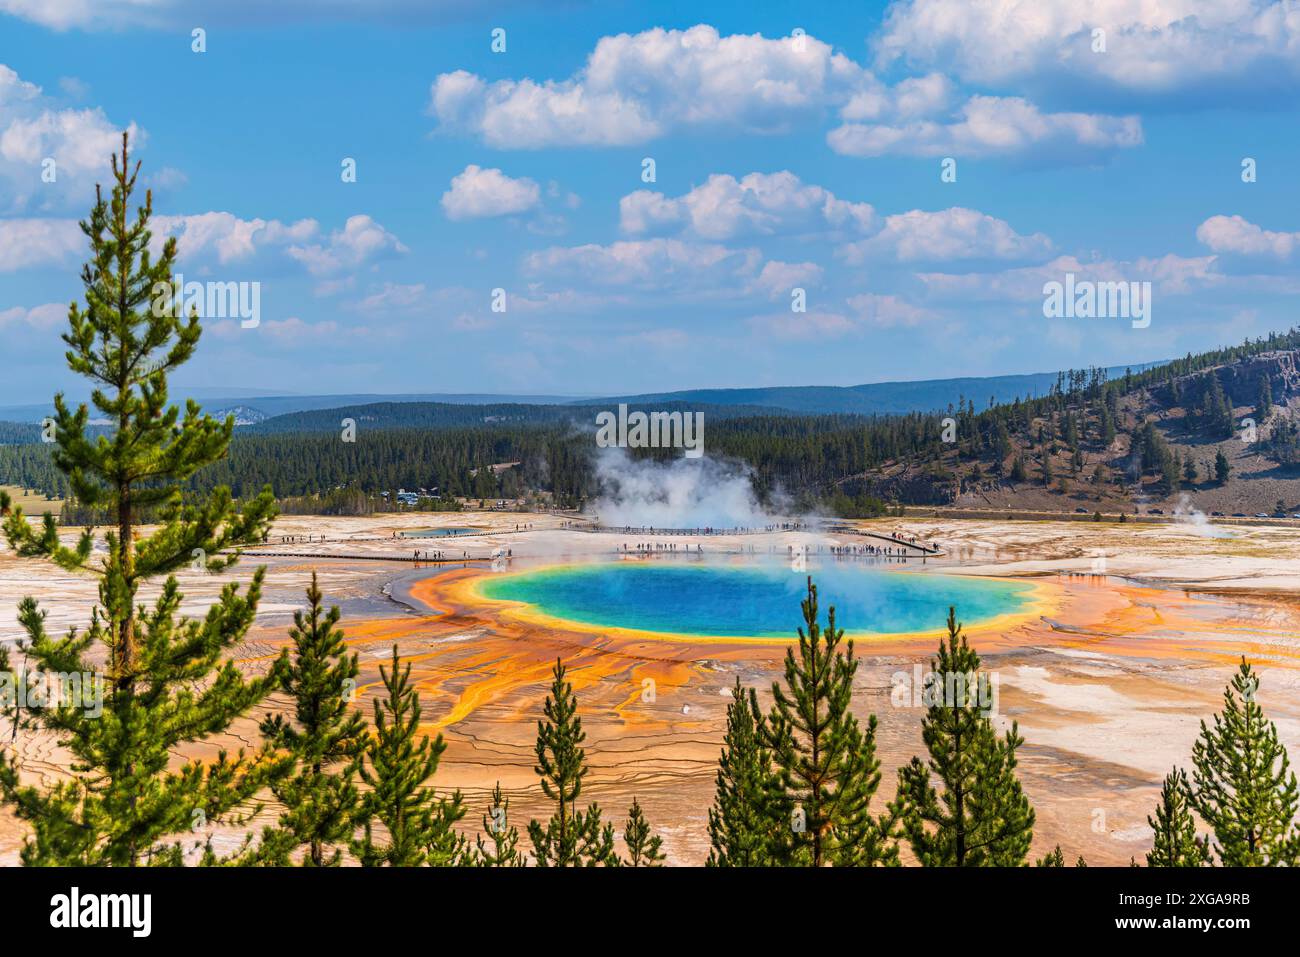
{"x": 227, "y": 239}
{"x": 226, "y": 236}
{"x": 42, "y": 317}
{"x": 758, "y": 204}
{"x": 51, "y": 156}
{"x": 636, "y": 87}
{"x": 778, "y": 279}
{"x": 993, "y": 126}
{"x": 33, "y": 243}
{"x": 946, "y": 235}
{"x": 1156, "y": 47}
{"x": 1234, "y": 234}
{"x": 477, "y": 193}
{"x": 361, "y": 240}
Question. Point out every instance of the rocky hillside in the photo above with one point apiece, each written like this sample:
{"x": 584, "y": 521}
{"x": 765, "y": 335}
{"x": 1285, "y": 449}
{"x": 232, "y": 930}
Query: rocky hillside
{"x": 1215, "y": 436}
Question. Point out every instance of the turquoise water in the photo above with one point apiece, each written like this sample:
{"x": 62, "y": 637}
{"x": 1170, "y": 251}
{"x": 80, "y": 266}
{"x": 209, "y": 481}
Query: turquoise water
{"x": 754, "y": 600}
{"x": 446, "y": 531}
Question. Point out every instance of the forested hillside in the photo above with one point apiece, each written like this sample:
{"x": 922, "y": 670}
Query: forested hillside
{"x": 1219, "y": 424}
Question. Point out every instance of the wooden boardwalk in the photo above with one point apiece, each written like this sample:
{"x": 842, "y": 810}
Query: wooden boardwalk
{"x": 358, "y": 557}
{"x": 850, "y": 530}
{"x": 278, "y": 551}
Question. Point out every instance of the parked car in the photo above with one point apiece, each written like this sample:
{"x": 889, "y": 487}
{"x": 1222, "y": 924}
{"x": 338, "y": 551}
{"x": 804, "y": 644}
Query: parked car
{"x": 1156, "y": 511}
{"x": 1238, "y": 514}
{"x": 1261, "y": 514}
{"x": 1216, "y": 515}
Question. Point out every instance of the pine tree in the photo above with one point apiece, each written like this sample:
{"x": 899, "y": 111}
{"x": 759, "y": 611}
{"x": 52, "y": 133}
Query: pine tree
{"x": 1055, "y": 859}
{"x": 1217, "y": 411}
{"x": 1221, "y": 467}
{"x": 1264, "y": 407}
{"x": 164, "y": 685}
{"x": 570, "y": 838}
{"x": 322, "y": 804}
{"x": 826, "y": 766}
{"x": 643, "y": 850}
{"x": 1107, "y": 427}
{"x": 1001, "y": 445}
{"x": 1176, "y": 843}
{"x": 1170, "y": 471}
{"x": 982, "y": 817}
{"x": 1244, "y": 789}
{"x": 418, "y": 821}
{"x": 504, "y": 836}
{"x": 740, "y": 825}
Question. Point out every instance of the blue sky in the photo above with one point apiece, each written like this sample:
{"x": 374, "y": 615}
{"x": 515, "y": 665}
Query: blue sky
{"x": 795, "y": 147}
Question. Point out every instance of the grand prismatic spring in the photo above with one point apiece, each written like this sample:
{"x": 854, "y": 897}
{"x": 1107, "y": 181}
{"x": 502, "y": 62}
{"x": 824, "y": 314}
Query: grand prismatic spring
{"x": 758, "y": 600}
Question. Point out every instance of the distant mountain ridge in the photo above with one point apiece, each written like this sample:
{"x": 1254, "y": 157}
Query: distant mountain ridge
{"x": 448, "y": 415}
{"x": 873, "y": 398}
{"x": 269, "y": 406}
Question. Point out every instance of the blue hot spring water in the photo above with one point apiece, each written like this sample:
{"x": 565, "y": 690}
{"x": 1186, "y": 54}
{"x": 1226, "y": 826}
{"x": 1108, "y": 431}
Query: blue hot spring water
{"x": 753, "y": 600}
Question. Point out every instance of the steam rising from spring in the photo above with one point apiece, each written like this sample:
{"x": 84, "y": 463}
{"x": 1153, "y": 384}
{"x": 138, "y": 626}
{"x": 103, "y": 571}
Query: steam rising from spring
{"x": 1189, "y": 517}
{"x": 683, "y": 493}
